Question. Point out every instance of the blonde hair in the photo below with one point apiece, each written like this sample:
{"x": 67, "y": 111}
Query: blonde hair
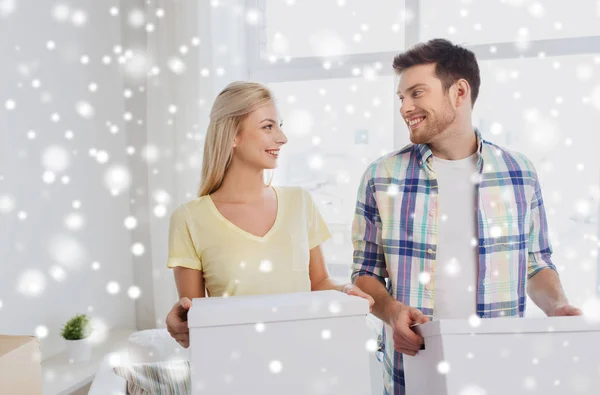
{"x": 230, "y": 108}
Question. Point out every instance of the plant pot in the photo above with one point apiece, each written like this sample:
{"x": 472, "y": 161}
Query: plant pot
{"x": 79, "y": 350}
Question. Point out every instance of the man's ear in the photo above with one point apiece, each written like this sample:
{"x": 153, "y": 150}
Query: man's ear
{"x": 463, "y": 93}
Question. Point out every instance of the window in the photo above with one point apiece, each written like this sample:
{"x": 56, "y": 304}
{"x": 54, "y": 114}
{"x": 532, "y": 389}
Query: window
{"x": 546, "y": 108}
{"x": 540, "y": 95}
{"x": 516, "y": 21}
{"x": 304, "y": 28}
{"x": 336, "y": 94}
{"x": 335, "y": 128}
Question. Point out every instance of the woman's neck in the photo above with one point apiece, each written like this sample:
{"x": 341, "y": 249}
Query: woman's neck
{"x": 241, "y": 184}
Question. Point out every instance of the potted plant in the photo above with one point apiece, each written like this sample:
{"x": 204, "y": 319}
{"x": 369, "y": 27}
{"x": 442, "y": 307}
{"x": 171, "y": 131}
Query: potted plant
{"x": 76, "y": 333}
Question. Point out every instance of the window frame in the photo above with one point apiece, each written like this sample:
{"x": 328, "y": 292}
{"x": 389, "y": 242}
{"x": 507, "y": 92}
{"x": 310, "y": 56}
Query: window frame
{"x": 311, "y": 68}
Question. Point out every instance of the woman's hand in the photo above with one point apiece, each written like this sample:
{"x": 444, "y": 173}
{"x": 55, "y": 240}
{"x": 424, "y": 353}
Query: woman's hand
{"x": 177, "y": 324}
{"x": 352, "y": 289}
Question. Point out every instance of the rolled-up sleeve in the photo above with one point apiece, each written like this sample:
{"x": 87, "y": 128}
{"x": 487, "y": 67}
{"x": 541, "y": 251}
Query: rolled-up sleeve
{"x": 182, "y": 251}
{"x": 369, "y": 258}
{"x": 540, "y": 250}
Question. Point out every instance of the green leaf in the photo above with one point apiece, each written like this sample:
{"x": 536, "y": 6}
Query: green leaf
{"x": 77, "y": 328}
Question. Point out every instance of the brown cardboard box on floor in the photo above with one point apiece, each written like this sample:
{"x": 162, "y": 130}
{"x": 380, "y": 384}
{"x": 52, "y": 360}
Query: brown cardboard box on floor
{"x": 20, "y": 365}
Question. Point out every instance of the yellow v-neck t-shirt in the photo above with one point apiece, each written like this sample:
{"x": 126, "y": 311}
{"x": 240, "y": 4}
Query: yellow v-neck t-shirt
{"x": 235, "y": 262}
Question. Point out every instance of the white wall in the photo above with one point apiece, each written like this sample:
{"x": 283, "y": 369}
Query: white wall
{"x": 42, "y": 243}
{"x": 163, "y": 164}
{"x": 180, "y": 135}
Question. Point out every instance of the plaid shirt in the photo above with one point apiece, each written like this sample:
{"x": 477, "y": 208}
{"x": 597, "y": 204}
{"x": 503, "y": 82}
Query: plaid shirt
{"x": 395, "y": 234}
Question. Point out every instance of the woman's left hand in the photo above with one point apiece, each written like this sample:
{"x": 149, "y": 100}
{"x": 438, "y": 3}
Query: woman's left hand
{"x": 352, "y": 289}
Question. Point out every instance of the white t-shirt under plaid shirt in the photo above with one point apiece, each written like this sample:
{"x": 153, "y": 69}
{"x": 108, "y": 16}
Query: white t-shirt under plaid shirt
{"x": 395, "y": 236}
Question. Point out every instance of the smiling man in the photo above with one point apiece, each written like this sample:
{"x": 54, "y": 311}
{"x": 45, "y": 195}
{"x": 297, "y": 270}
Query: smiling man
{"x": 451, "y": 225}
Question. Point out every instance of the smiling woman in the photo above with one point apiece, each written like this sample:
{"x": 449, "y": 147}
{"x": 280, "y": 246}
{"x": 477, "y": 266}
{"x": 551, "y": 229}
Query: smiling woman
{"x": 242, "y": 237}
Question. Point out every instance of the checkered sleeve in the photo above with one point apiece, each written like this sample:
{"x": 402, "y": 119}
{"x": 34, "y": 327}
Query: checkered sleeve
{"x": 369, "y": 259}
{"x": 540, "y": 250}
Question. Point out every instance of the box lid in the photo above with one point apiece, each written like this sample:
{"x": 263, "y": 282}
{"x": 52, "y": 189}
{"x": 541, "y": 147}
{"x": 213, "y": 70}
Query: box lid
{"x": 252, "y": 309}
{"x": 10, "y": 343}
{"x": 507, "y": 325}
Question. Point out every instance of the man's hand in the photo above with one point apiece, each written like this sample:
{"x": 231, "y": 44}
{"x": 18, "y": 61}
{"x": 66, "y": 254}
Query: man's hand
{"x": 406, "y": 340}
{"x": 566, "y": 310}
{"x": 177, "y": 322}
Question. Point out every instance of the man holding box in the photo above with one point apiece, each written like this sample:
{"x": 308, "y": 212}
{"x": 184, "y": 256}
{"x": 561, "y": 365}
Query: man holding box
{"x": 456, "y": 224}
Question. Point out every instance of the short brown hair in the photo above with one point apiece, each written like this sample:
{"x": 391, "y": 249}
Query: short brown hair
{"x": 452, "y": 62}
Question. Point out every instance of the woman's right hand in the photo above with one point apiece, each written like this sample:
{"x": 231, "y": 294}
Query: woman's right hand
{"x": 177, "y": 323}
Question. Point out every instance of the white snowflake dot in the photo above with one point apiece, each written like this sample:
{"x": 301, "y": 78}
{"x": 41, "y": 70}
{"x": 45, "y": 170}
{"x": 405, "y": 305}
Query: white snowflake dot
{"x": 160, "y": 210}
{"x": 41, "y": 331}
{"x": 102, "y": 156}
{"x": 138, "y": 249}
{"x": 530, "y": 384}
{"x": 137, "y": 18}
{"x": 424, "y": 278}
{"x": 335, "y": 307}
{"x": 78, "y": 18}
{"x": 472, "y": 390}
{"x": 49, "y": 177}
{"x": 60, "y": 12}
{"x": 130, "y": 222}
{"x": 58, "y": 273}
{"x": 392, "y": 190}
{"x": 31, "y": 282}
{"x": 371, "y": 345}
{"x": 113, "y": 288}
{"x": 275, "y": 367}
{"x": 134, "y": 292}
{"x": 496, "y": 231}
{"x": 7, "y": 204}
{"x": 474, "y": 321}
{"x": 443, "y": 367}
{"x": 265, "y": 266}
{"x": 74, "y": 221}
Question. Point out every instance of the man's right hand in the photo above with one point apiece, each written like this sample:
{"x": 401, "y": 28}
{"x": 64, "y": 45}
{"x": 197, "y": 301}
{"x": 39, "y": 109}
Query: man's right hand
{"x": 177, "y": 322}
{"x": 406, "y": 340}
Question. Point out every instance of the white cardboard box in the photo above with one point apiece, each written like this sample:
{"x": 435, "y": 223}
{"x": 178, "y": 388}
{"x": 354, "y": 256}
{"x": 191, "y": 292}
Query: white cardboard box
{"x": 499, "y": 356}
{"x": 292, "y": 344}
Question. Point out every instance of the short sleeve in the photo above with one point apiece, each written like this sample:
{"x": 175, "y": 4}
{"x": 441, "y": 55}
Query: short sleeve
{"x": 182, "y": 251}
{"x": 318, "y": 232}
